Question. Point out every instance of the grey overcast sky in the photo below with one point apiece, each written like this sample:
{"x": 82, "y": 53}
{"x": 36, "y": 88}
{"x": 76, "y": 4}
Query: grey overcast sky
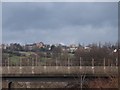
{"x": 66, "y": 22}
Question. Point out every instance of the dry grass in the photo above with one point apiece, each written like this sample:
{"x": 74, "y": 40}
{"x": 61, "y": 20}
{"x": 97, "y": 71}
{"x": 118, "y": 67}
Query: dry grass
{"x": 111, "y": 82}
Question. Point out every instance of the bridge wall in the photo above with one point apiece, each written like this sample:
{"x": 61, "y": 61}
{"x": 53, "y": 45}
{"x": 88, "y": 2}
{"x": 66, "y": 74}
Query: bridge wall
{"x": 59, "y": 70}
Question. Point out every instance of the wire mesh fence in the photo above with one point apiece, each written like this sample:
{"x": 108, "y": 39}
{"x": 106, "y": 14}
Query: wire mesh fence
{"x": 57, "y": 62}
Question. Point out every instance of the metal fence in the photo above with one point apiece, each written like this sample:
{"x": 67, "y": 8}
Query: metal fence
{"x": 58, "y": 62}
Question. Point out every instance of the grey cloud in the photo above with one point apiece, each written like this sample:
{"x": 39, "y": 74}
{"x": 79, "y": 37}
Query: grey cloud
{"x": 59, "y": 22}
{"x": 37, "y": 15}
{"x": 82, "y": 34}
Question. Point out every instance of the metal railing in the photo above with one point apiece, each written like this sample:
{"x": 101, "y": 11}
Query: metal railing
{"x": 58, "y": 62}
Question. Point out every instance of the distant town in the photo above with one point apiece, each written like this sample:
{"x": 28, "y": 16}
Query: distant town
{"x": 48, "y": 54}
{"x": 48, "y": 47}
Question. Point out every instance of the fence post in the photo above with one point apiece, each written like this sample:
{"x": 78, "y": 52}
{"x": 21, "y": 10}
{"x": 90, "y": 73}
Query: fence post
{"x": 104, "y": 64}
{"x": 68, "y": 63}
{"x": 116, "y": 62}
{"x": 80, "y": 63}
{"x": 36, "y": 59}
{"x": 20, "y": 68}
{"x": 33, "y": 62}
{"x": 28, "y": 61}
{"x": 45, "y": 63}
{"x": 8, "y": 65}
{"x": 68, "y": 66}
{"x": 93, "y": 65}
{"x": 56, "y": 64}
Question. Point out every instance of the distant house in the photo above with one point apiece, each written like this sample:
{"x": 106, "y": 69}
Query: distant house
{"x": 65, "y": 48}
{"x": 29, "y": 47}
{"x": 4, "y": 46}
{"x": 40, "y": 45}
{"x": 34, "y": 46}
{"x": 73, "y": 48}
{"x": 47, "y": 46}
{"x": 87, "y": 48}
